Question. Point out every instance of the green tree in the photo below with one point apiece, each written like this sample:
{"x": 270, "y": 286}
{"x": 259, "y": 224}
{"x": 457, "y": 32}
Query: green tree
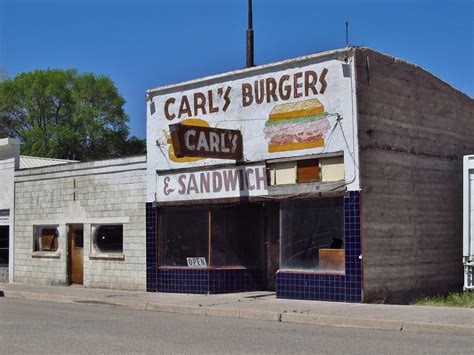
{"x": 63, "y": 114}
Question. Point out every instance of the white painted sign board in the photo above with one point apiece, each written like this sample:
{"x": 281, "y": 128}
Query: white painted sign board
{"x": 300, "y": 107}
{"x": 233, "y": 181}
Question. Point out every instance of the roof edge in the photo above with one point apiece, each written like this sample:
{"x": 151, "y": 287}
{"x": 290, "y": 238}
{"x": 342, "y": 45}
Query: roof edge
{"x": 416, "y": 66}
{"x": 154, "y": 92}
{"x": 80, "y": 165}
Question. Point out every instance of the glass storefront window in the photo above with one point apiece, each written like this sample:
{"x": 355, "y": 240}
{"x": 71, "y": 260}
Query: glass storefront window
{"x": 236, "y": 236}
{"x": 184, "y": 234}
{"x": 312, "y": 235}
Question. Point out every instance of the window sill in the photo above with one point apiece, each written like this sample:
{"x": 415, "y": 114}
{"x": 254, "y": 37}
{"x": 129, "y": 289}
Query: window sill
{"x": 105, "y": 256}
{"x": 313, "y": 272}
{"x": 204, "y": 268}
{"x": 46, "y": 255}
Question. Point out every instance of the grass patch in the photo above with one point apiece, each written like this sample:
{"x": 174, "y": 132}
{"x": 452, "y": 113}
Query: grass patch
{"x": 458, "y": 299}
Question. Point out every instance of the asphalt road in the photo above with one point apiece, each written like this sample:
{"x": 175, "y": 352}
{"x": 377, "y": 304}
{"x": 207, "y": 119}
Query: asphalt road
{"x": 57, "y": 328}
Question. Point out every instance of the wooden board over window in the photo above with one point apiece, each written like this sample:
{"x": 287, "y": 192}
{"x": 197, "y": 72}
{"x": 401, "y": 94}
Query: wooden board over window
{"x": 308, "y": 171}
{"x": 49, "y": 240}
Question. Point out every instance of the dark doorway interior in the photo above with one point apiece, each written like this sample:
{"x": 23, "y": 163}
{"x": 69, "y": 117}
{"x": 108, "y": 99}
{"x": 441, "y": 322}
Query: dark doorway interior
{"x": 4, "y": 245}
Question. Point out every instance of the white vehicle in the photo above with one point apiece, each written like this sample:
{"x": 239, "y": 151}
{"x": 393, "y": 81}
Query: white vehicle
{"x": 468, "y": 242}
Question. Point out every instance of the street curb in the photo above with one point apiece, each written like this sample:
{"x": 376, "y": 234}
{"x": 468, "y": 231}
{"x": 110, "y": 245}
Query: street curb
{"x": 72, "y": 299}
{"x": 287, "y": 317}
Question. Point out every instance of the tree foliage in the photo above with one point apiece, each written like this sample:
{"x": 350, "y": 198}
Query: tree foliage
{"x": 63, "y": 114}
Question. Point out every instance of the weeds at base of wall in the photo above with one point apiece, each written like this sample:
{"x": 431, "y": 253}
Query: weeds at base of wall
{"x": 455, "y": 299}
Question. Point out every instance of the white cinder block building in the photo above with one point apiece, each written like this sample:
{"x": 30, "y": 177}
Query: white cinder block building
{"x": 11, "y": 160}
{"x": 77, "y": 223}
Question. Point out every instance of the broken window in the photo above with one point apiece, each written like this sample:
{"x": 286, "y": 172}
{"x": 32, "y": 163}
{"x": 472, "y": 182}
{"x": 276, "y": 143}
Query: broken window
{"x": 108, "y": 238}
{"x": 312, "y": 235}
{"x": 45, "y": 238}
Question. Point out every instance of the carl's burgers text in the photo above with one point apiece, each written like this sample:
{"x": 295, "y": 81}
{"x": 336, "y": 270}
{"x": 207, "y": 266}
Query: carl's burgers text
{"x": 300, "y": 84}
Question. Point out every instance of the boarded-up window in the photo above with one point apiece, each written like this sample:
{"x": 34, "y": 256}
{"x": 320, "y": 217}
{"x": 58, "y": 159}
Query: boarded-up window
{"x": 308, "y": 171}
{"x": 332, "y": 169}
{"x": 282, "y": 173}
{"x": 46, "y": 238}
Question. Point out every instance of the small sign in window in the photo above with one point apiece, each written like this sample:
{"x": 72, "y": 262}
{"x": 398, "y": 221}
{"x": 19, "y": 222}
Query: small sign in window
{"x": 196, "y": 262}
{"x": 4, "y": 217}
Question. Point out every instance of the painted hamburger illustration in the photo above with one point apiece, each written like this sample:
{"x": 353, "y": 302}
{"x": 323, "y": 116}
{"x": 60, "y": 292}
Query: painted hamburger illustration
{"x": 296, "y": 125}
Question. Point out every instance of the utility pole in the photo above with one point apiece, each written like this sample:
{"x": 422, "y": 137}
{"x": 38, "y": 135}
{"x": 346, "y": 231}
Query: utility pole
{"x": 250, "y": 62}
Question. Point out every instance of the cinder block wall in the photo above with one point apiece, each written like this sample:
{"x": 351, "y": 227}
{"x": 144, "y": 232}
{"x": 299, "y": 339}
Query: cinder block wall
{"x": 7, "y": 168}
{"x": 413, "y": 131}
{"x": 109, "y": 191}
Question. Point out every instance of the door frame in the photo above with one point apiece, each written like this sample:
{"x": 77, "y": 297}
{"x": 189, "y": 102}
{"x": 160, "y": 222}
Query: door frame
{"x": 70, "y": 233}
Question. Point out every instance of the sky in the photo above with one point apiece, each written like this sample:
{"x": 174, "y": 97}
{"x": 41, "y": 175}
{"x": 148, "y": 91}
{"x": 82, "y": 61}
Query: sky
{"x": 143, "y": 44}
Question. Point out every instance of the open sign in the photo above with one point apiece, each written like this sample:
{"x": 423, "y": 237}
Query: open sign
{"x": 196, "y": 262}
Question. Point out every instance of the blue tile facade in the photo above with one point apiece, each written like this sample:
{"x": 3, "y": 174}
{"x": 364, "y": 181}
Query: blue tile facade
{"x": 327, "y": 287}
{"x": 184, "y": 280}
{"x": 204, "y": 281}
{"x": 234, "y": 280}
{"x": 151, "y": 249}
{"x": 293, "y": 285}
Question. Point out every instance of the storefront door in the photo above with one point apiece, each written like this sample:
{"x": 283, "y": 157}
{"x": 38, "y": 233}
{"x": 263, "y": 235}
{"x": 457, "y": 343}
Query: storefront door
{"x": 272, "y": 245}
{"x": 76, "y": 255}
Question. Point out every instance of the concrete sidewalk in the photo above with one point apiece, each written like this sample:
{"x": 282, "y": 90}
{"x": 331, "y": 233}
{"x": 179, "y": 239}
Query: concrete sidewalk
{"x": 263, "y": 306}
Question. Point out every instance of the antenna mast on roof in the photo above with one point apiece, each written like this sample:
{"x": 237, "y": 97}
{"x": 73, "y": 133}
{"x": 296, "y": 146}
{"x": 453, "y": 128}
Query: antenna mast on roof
{"x": 347, "y": 33}
{"x": 250, "y": 62}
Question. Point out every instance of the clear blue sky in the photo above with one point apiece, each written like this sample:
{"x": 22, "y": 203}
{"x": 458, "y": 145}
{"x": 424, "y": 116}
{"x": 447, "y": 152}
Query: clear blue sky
{"x": 143, "y": 44}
